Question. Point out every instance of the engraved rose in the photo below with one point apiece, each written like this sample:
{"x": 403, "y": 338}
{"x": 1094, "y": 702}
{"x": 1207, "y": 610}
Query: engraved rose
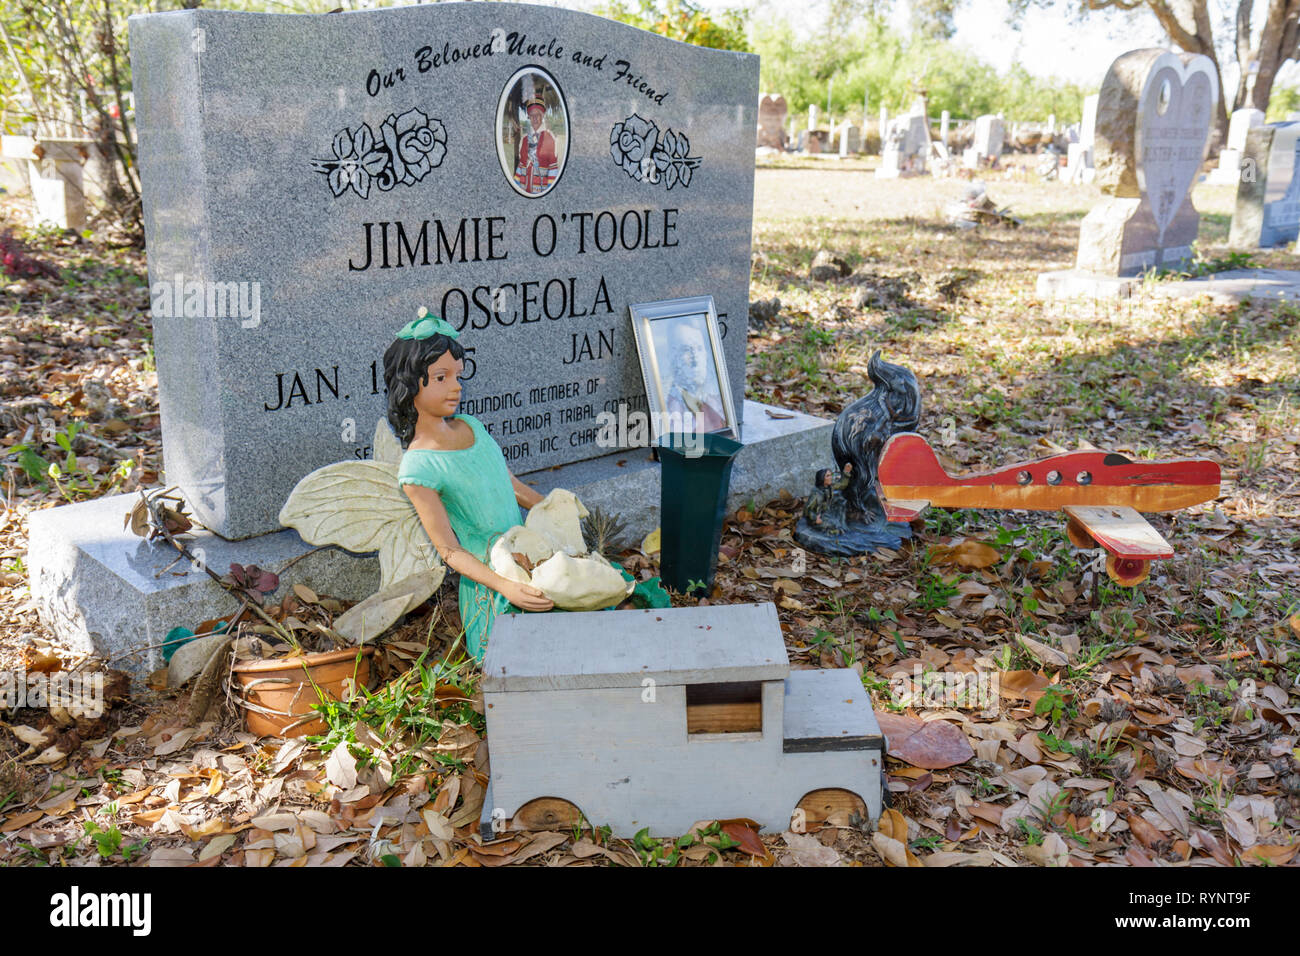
{"x": 649, "y": 156}
{"x": 415, "y": 144}
{"x": 407, "y": 149}
{"x": 630, "y": 142}
{"x": 355, "y": 162}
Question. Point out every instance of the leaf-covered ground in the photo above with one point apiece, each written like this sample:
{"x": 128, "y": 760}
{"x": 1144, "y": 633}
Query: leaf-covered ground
{"x": 1071, "y": 721}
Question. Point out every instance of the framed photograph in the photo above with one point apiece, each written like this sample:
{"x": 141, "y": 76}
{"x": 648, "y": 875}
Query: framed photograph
{"x": 683, "y": 365}
{"x": 532, "y": 132}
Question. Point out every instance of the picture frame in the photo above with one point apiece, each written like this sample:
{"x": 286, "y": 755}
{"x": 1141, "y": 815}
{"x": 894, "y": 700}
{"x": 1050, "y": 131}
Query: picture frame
{"x": 683, "y": 365}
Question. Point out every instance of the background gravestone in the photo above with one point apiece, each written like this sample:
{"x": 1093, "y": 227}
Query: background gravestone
{"x": 1153, "y": 120}
{"x": 1268, "y": 192}
{"x": 353, "y": 167}
{"x": 905, "y": 147}
{"x": 990, "y": 133}
{"x": 772, "y": 112}
{"x": 1081, "y": 165}
{"x": 1228, "y": 172}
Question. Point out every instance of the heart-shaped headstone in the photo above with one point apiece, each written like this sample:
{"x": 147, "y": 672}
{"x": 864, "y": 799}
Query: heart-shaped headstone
{"x": 1175, "y": 112}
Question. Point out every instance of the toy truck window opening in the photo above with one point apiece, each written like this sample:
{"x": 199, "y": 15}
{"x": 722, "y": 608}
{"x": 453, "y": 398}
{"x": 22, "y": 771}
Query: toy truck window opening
{"x": 731, "y": 708}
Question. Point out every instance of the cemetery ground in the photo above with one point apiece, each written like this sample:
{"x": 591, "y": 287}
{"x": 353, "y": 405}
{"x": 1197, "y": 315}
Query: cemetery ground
{"x": 1125, "y": 726}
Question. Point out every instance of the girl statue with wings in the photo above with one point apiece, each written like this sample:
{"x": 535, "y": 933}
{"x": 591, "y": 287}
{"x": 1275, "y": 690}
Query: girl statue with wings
{"x": 454, "y": 473}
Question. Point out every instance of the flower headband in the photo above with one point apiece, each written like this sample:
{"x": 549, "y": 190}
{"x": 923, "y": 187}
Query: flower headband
{"x": 427, "y": 326}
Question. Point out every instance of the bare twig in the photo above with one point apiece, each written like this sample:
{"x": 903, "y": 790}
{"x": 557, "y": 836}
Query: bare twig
{"x": 235, "y": 589}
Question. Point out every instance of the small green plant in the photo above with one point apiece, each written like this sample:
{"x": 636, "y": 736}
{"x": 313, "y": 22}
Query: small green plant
{"x": 935, "y": 592}
{"x": 1033, "y": 834}
{"x": 654, "y": 852}
{"x": 408, "y": 712}
{"x": 1055, "y": 704}
{"x": 107, "y": 842}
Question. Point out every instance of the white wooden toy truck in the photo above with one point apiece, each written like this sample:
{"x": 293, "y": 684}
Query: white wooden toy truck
{"x": 661, "y": 718}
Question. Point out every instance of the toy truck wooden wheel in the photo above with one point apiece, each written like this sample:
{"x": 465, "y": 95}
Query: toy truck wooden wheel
{"x": 818, "y": 805}
{"x": 547, "y": 813}
{"x": 1078, "y": 534}
{"x": 1127, "y": 572}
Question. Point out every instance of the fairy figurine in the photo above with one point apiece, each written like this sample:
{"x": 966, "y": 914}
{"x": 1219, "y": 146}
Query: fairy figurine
{"x": 454, "y": 473}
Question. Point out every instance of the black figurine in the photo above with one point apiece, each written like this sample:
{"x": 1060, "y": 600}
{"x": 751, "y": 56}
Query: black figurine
{"x": 853, "y": 522}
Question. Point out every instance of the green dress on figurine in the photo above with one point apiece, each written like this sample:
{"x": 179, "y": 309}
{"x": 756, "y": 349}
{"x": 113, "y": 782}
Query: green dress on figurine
{"x": 475, "y": 488}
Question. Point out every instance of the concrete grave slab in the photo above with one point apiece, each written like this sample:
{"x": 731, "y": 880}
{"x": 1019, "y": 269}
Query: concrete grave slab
{"x": 110, "y": 593}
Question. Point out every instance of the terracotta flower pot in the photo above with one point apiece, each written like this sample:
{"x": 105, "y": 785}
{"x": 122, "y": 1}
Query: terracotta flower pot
{"x": 278, "y": 694}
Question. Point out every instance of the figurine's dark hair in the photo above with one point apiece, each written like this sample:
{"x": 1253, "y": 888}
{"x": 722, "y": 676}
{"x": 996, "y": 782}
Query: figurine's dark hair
{"x": 406, "y": 370}
{"x": 822, "y": 475}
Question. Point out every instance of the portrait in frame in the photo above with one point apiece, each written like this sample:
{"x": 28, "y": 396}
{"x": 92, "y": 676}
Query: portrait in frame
{"x": 683, "y": 365}
{"x": 532, "y": 131}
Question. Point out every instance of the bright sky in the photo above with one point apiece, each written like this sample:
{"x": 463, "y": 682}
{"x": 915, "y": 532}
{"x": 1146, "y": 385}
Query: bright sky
{"x": 1049, "y": 43}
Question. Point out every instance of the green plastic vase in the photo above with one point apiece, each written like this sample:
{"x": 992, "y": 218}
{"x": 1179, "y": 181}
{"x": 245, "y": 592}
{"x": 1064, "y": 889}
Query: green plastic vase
{"x": 692, "y": 504}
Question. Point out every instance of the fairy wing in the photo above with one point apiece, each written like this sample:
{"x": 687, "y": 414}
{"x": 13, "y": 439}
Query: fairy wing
{"x": 359, "y": 506}
{"x": 386, "y": 446}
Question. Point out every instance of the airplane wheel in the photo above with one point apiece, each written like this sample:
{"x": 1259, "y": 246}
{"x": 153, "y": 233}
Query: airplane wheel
{"x": 1078, "y": 535}
{"x": 1127, "y": 572}
{"x": 546, "y": 813}
{"x": 817, "y": 805}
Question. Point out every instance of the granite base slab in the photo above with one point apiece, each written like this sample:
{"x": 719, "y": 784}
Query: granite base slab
{"x": 783, "y": 450}
{"x": 1074, "y": 284}
{"x": 106, "y": 591}
{"x": 1223, "y": 287}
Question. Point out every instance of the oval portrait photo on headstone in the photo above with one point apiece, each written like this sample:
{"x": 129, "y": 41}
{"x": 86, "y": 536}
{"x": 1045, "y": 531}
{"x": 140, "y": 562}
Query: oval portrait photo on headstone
{"x": 532, "y": 131}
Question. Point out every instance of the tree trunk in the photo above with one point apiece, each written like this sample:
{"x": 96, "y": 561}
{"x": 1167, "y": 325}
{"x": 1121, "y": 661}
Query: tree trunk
{"x": 1187, "y": 24}
{"x": 1277, "y": 44}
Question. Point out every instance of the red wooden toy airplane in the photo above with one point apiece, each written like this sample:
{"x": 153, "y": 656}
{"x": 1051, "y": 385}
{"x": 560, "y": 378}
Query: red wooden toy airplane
{"x": 1100, "y": 492}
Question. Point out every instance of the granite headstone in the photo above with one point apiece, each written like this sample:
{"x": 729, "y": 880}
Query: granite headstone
{"x": 1153, "y": 120}
{"x": 1268, "y": 192}
{"x": 310, "y": 181}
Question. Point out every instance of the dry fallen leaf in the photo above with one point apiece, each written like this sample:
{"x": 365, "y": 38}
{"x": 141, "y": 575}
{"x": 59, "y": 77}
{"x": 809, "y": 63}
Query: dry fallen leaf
{"x": 932, "y": 745}
{"x": 30, "y": 736}
{"x": 808, "y": 851}
{"x": 341, "y": 767}
{"x": 21, "y": 820}
{"x": 966, "y": 553}
{"x": 217, "y": 846}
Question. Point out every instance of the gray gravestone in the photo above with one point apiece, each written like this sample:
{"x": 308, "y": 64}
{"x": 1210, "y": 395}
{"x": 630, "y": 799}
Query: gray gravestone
{"x": 1268, "y": 199}
{"x": 905, "y": 148}
{"x": 299, "y": 171}
{"x": 1153, "y": 119}
{"x": 340, "y": 171}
